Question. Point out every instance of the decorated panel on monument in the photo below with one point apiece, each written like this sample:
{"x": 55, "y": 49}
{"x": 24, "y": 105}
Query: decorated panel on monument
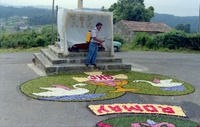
{"x": 73, "y": 26}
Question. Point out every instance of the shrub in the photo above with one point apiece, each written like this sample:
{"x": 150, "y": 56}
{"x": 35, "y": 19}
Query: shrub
{"x": 158, "y": 41}
{"x": 27, "y": 39}
{"x": 173, "y": 39}
{"x": 143, "y": 39}
{"x": 119, "y": 38}
{"x": 194, "y": 42}
{"x": 40, "y": 41}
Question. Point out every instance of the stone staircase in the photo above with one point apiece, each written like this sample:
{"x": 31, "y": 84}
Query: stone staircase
{"x": 53, "y": 61}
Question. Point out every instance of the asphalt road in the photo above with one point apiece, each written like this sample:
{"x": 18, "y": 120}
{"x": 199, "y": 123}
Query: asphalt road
{"x": 18, "y": 110}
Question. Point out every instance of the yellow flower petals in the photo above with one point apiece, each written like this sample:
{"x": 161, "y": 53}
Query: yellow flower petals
{"x": 81, "y": 79}
{"x": 93, "y": 73}
{"x": 120, "y": 76}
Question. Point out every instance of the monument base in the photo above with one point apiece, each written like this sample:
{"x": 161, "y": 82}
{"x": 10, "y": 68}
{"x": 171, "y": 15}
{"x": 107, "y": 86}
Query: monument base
{"x": 52, "y": 61}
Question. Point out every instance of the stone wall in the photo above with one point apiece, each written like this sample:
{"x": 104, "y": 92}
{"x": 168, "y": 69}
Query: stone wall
{"x": 124, "y": 31}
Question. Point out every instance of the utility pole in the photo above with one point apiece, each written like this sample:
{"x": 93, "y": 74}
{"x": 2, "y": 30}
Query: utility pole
{"x": 56, "y": 19}
{"x": 80, "y": 4}
{"x": 52, "y": 38}
{"x": 199, "y": 19}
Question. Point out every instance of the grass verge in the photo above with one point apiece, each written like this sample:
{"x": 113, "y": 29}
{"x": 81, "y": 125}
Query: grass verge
{"x": 127, "y": 47}
{"x": 11, "y": 50}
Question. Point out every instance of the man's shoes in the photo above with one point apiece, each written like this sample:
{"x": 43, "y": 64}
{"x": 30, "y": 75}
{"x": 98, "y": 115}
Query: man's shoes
{"x": 86, "y": 65}
{"x": 94, "y": 65}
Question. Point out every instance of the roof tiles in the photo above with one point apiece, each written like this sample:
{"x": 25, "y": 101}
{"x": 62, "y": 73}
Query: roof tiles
{"x": 146, "y": 26}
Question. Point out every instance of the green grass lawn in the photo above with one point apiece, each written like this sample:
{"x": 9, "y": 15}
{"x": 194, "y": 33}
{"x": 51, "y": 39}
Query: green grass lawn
{"x": 11, "y": 50}
{"x": 127, "y": 47}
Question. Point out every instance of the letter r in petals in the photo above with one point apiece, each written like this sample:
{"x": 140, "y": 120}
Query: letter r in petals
{"x": 101, "y": 109}
{"x": 115, "y": 108}
{"x": 167, "y": 109}
{"x": 150, "y": 108}
{"x": 136, "y": 108}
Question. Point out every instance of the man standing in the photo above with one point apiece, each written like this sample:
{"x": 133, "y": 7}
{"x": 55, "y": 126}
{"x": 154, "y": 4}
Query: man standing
{"x": 93, "y": 46}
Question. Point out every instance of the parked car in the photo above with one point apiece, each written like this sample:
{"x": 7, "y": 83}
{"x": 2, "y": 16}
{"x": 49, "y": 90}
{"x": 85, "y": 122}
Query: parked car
{"x": 117, "y": 45}
{"x": 85, "y": 46}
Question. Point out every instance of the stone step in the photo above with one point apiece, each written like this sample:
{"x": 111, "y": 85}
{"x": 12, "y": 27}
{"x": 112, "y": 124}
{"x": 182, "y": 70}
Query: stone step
{"x": 52, "y": 61}
{"x": 46, "y": 66}
{"x": 80, "y": 68}
{"x": 43, "y": 64}
{"x": 57, "y": 45}
{"x": 55, "y": 50}
{"x": 78, "y": 60}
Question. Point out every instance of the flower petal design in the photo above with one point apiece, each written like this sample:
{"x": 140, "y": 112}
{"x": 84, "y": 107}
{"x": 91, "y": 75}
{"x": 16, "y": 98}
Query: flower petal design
{"x": 74, "y": 97}
{"x": 81, "y": 79}
{"x": 163, "y": 83}
{"x": 120, "y": 76}
{"x": 109, "y": 83}
{"x": 61, "y": 86}
{"x": 155, "y": 80}
{"x": 93, "y": 73}
{"x": 102, "y": 83}
{"x": 176, "y": 88}
{"x": 151, "y": 122}
{"x": 62, "y": 92}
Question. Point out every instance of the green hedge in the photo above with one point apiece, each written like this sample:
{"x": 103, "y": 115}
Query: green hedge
{"x": 143, "y": 39}
{"x": 27, "y": 39}
{"x": 194, "y": 42}
{"x": 173, "y": 39}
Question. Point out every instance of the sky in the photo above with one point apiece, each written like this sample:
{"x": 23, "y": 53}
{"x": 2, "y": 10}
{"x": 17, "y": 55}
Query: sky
{"x": 174, "y": 7}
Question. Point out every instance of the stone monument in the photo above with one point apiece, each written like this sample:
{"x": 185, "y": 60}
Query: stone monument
{"x": 73, "y": 26}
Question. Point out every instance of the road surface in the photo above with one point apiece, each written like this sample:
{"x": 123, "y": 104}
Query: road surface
{"x": 18, "y": 110}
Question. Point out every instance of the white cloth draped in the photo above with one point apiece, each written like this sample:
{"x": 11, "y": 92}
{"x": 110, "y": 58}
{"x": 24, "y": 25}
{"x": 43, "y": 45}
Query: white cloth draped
{"x": 73, "y": 26}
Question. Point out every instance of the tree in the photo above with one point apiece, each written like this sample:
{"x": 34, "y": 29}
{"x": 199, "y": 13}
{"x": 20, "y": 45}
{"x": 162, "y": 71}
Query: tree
{"x": 185, "y": 28}
{"x": 132, "y": 10}
{"x": 17, "y": 28}
{"x": 103, "y": 9}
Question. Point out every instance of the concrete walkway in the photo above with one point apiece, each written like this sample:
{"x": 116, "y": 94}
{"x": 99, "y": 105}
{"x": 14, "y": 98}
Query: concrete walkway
{"x": 18, "y": 110}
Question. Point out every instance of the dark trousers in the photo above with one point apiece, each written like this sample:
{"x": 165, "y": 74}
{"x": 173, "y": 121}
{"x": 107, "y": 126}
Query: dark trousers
{"x": 92, "y": 54}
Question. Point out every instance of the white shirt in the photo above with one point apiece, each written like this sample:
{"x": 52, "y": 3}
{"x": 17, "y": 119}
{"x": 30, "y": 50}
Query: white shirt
{"x": 95, "y": 33}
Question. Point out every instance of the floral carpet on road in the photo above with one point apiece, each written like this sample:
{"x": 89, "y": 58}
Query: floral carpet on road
{"x": 96, "y": 86}
{"x": 90, "y": 86}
